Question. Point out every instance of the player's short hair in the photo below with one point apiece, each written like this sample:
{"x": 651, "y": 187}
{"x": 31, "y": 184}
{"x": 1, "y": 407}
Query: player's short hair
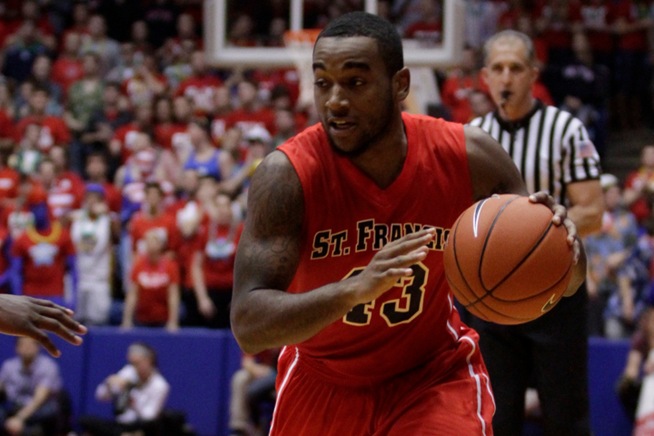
{"x": 511, "y": 35}
{"x": 360, "y": 23}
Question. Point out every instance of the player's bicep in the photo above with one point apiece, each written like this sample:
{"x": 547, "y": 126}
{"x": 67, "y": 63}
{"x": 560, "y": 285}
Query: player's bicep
{"x": 492, "y": 170}
{"x": 269, "y": 248}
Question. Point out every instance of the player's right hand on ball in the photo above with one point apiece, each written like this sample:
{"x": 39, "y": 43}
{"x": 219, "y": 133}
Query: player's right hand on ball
{"x": 389, "y": 264}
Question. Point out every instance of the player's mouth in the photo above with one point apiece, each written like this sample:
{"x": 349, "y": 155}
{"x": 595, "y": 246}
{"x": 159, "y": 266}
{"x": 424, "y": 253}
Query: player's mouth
{"x": 339, "y": 126}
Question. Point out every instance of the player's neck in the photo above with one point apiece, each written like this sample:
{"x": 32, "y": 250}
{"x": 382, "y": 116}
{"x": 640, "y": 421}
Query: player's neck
{"x": 384, "y": 160}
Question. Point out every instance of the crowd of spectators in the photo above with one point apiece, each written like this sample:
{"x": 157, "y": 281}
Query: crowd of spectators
{"x": 111, "y": 116}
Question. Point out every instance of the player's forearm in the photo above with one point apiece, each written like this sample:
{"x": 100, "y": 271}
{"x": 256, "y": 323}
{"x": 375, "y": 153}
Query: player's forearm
{"x": 267, "y": 318}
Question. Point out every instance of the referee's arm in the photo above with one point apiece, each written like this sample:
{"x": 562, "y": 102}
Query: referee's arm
{"x": 586, "y": 206}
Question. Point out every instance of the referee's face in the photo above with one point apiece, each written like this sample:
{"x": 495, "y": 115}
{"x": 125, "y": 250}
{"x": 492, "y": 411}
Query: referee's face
{"x": 510, "y": 76}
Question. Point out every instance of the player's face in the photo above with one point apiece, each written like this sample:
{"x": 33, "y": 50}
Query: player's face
{"x": 510, "y": 77}
{"x": 354, "y": 96}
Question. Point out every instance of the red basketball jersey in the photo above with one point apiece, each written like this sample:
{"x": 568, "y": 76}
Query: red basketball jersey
{"x": 348, "y": 218}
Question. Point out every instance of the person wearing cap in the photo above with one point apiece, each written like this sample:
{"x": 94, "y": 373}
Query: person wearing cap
{"x": 91, "y": 234}
{"x": 616, "y": 284}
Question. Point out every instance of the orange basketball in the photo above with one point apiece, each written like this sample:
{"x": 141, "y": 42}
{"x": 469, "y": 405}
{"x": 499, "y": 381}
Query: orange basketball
{"x": 505, "y": 260}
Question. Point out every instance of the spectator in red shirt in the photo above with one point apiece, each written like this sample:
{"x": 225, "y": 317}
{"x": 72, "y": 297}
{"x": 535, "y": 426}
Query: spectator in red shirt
{"x": 65, "y": 188}
{"x": 152, "y": 216}
{"x": 7, "y": 112}
{"x": 153, "y": 296}
{"x": 250, "y": 111}
{"x": 67, "y": 68}
{"x": 458, "y": 85}
{"x": 639, "y": 186}
{"x": 428, "y": 30}
{"x": 54, "y": 130}
{"x": 122, "y": 144}
{"x": 9, "y": 179}
{"x": 201, "y": 86}
{"x": 213, "y": 265}
{"x": 40, "y": 257}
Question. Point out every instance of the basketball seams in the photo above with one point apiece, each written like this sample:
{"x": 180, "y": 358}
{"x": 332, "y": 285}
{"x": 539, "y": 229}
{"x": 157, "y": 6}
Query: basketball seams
{"x": 524, "y": 259}
{"x": 469, "y": 252}
{"x": 476, "y": 307}
{"x": 498, "y": 214}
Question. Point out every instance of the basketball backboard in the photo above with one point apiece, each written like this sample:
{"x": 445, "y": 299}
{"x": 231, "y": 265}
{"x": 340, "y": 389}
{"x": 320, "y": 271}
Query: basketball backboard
{"x": 220, "y": 15}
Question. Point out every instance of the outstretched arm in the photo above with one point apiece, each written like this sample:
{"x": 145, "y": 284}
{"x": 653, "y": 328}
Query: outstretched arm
{"x": 26, "y": 316}
{"x": 263, "y": 314}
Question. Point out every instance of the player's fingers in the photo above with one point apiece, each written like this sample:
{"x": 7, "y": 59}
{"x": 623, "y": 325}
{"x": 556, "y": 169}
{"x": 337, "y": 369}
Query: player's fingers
{"x": 408, "y": 243}
{"x": 39, "y": 335}
{"x": 60, "y": 328}
{"x": 559, "y": 211}
{"x": 572, "y": 230}
{"x": 62, "y": 314}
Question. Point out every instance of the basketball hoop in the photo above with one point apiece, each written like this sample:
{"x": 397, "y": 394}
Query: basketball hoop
{"x": 299, "y": 43}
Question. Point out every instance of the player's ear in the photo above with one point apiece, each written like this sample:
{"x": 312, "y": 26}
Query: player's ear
{"x": 402, "y": 83}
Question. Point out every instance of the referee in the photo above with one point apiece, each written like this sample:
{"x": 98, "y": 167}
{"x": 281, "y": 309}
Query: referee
{"x": 554, "y": 153}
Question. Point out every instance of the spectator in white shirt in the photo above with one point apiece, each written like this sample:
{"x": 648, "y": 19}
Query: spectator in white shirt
{"x": 91, "y": 234}
{"x": 138, "y": 393}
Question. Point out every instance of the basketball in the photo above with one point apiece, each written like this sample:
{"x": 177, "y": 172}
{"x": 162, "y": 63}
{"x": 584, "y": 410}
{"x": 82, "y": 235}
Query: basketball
{"x": 506, "y": 262}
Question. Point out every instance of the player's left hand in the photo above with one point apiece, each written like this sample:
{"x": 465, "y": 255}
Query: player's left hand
{"x": 26, "y": 316}
{"x": 560, "y": 218}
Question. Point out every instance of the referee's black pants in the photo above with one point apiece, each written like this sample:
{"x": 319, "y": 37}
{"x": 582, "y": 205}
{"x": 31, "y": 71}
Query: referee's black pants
{"x": 550, "y": 354}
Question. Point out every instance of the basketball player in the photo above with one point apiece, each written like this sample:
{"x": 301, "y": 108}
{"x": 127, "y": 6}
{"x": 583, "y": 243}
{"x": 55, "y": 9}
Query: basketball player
{"x": 26, "y": 316}
{"x": 553, "y": 152}
{"x": 341, "y": 259}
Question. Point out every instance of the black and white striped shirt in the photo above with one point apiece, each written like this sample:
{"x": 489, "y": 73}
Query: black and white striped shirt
{"x": 550, "y": 147}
